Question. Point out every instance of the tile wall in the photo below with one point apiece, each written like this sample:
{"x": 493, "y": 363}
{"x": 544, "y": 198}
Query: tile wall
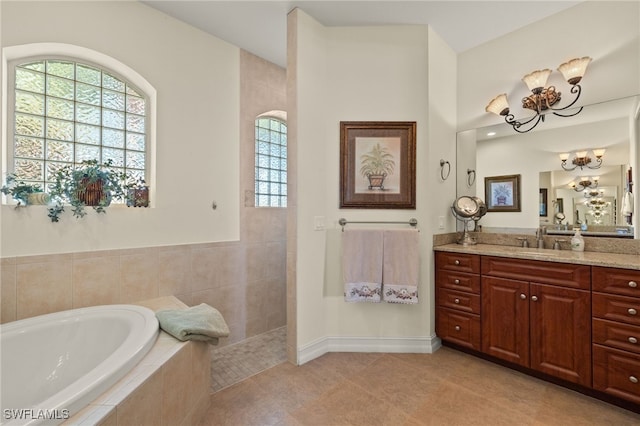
{"x": 245, "y": 281}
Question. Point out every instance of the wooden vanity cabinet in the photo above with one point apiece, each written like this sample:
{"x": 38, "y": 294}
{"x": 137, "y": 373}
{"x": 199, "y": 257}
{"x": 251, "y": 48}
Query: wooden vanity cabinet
{"x": 458, "y": 299}
{"x": 537, "y": 314}
{"x": 616, "y": 332}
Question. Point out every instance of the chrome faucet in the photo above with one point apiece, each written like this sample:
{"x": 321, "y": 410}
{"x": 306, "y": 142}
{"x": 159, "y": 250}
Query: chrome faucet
{"x": 540, "y": 233}
{"x": 556, "y": 244}
{"x": 525, "y": 242}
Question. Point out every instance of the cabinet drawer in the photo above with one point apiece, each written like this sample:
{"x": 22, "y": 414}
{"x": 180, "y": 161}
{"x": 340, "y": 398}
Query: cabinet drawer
{"x": 458, "y": 262}
{"x": 562, "y": 274}
{"x": 616, "y": 308}
{"x": 459, "y": 328}
{"x": 625, "y": 282}
{"x": 617, "y": 373}
{"x": 460, "y": 281}
{"x": 616, "y": 335}
{"x": 458, "y": 300}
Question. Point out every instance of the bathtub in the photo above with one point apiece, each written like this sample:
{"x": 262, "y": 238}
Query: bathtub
{"x": 56, "y": 364}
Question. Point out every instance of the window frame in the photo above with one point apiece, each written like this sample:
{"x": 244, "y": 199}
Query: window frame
{"x": 17, "y": 55}
{"x": 280, "y": 117}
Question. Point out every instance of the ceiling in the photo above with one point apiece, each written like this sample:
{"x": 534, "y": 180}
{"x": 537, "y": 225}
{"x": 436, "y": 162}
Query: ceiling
{"x": 260, "y": 27}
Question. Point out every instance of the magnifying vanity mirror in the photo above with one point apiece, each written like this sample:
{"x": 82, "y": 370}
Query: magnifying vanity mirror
{"x": 552, "y": 196}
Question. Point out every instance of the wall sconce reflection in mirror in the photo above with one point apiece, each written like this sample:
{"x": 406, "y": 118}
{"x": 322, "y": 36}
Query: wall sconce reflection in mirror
{"x": 471, "y": 177}
{"x": 585, "y": 183}
{"x": 582, "y": 159}
{"x": 542, "y": 98}
{"x": 445, "y": 174}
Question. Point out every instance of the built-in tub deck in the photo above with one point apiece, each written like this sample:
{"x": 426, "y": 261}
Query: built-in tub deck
{"x": 169, "y": 386}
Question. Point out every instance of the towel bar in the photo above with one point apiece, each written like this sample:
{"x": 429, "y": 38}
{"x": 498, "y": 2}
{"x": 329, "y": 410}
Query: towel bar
{"x": 413, "y": 222}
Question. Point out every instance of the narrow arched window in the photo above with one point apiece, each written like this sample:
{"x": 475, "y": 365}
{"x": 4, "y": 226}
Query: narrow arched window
{"x": 66, "y": 112}
{"x": 271, "y": 162}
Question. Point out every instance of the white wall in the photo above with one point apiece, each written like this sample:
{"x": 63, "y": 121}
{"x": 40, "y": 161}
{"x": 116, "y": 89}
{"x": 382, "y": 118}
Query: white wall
{"x": 365, "y": 74}
{"x": 197, "y": 80}
{"x": 607, "y": 31}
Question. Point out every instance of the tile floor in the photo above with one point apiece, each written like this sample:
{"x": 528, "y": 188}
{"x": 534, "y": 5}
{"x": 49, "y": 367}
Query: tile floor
{"x": 233, "y": 363}
{"x": 444, "y": 388}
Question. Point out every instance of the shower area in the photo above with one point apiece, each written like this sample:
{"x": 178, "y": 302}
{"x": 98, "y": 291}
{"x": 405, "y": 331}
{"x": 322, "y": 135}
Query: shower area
{"x": 258, "y": 339}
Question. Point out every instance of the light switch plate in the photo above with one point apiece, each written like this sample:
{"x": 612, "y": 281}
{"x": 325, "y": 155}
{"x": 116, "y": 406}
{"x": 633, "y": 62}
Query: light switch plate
{"x": 318, "y": 223}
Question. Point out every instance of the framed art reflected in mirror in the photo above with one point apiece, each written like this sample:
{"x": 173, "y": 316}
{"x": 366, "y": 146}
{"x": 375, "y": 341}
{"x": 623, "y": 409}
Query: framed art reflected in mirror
{"x": 502, "y": 193}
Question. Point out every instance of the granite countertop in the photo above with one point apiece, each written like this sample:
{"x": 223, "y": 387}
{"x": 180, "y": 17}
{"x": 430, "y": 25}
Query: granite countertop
{"x": 614, "y": 260}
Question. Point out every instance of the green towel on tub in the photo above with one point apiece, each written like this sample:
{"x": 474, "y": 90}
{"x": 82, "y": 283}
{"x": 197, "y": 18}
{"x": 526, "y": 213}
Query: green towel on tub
{"x": 201, "y": 322}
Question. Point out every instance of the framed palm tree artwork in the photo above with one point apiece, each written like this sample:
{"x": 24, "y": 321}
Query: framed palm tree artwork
{"x": 378, "y": 164}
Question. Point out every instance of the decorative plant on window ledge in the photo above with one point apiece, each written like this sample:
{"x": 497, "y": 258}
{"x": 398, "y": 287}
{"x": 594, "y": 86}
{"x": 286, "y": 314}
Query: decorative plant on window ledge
{"x": 137, "y": 193}
{"x": 88, "y": 185}
{"x": 23, "y": 193}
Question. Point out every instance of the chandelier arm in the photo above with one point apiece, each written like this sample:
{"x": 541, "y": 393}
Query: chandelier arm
{"x": 568, "y": 115}
{"x": 564, "y": 163}
{"x": 511, "y": 119}
{"x": 597, "y": 166}
{"x": 577, "y": 90}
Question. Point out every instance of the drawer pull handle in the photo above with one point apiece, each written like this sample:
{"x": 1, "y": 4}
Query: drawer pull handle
{"x": 632, "y": 311}
{"x": 633, "y": 284}
{"x": 457, "y": 262}
{"x": 633, "y": 379}
{"x": 534, "y": 298}
{"x": 457, "y": 327}
{"x": 523, "y": 296}
{"x": 456, "y": 301}
{"x": 456, "y": 281}
{"x": 632, "y": 340}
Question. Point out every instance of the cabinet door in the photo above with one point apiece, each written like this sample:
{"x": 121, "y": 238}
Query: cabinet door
{"x": 616, "y": 372}
{"x": 561, "y": 332}
{"x": 505, "y": 319}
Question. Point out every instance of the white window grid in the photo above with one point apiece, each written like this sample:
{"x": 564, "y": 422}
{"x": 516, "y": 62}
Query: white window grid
{"x": 271, "y": 162}
{"x": 98, "y": 117}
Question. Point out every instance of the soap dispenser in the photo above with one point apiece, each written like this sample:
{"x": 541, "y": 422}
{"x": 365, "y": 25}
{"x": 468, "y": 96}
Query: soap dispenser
{"x": 584, "y": 225}
{"x": 577, "y": 242}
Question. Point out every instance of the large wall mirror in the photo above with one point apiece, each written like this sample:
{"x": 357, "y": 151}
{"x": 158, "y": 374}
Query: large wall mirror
{"x": 545, "y": 187}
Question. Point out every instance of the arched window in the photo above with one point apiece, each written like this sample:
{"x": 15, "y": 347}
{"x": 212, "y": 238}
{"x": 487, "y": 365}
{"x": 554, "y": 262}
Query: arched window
{"x": 62, "y": 110}
{"x": 271, "y": 160}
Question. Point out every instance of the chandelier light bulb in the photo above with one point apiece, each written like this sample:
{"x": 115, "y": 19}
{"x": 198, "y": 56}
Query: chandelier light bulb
{"x": 574, "y": 70}
{"x": 537, "y": 80}
{"x": 498, "y": 105}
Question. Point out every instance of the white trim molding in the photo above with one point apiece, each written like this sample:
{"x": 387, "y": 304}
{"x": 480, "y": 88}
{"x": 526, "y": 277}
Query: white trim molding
{"x": 319, "y": 347}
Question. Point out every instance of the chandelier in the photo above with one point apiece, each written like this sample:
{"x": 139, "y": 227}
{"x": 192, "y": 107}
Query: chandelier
{"x": 596, "y": 204}
{"x": 582, "y": 160}
{"x": 593, "y": 193}
{"x": 585, "y": 183}
{"x": 542, "y": 98}
{"x": 597, "y": 208}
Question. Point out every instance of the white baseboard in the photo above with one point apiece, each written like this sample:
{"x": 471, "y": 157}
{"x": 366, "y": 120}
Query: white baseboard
{"x": 367, "y": 344}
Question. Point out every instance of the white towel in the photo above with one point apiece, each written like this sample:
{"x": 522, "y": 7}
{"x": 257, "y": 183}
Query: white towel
{"x": 362, "y": 265}
{"x": 400, "y": 267}
{"x": 627, "y": 204}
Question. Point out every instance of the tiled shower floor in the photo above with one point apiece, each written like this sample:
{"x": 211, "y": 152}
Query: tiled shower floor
{"x": 233, "y": 363}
